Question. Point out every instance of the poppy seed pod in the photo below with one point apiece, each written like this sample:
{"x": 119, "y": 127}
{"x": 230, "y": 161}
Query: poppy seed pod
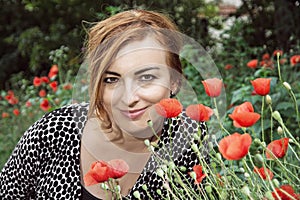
{"x": 287, "y": 85}
{"x": 268, "y": 99}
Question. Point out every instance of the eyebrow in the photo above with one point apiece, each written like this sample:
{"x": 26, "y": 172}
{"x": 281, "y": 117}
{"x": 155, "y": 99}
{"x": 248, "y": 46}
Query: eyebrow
{"x": 135, "y": 73}
{"x": 144, "y": 70}
{"x": 112, "y": 73}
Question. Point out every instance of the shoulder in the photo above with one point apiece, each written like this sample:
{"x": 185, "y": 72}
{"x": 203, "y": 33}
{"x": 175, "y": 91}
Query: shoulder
{"x": 57, "y": 126}
{"x": 63, "y": 116}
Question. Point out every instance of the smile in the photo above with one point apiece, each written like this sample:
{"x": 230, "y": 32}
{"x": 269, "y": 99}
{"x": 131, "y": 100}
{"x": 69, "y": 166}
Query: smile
{"x": 134, "y": 114}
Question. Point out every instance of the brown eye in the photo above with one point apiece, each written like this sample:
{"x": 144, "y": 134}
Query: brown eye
{"x": 110, "y": 80}
{"x": 147, "y": 77}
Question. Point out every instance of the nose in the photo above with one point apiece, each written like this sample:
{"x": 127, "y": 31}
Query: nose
{"x": 130, "y": 95}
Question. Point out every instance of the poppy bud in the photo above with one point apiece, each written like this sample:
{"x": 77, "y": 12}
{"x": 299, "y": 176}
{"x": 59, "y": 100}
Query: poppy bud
{"x": 144, "y": 187}
{"x": 182, "y": 168}
{"x": 276, "y": 115}
{"x": 150, "y": 123}
{"x": 136, "y": 194}
{"x": 279, "y": 130}
{"x": 287, "y": 85}
{"x": 160, "y": 172}
{"x": 256, "y": 141}
{"x": 268, "y": 99}
{"x": 158, "y": 191}
{"x": 269, "y": 195}
{"x": 246, "y": 190}
{"x": 147, "y": 142}
{"x": 247, "y": 175}
{"x": 258, "y": 158}
{"x": 193, "y": 175}
{"x": 242, "y": 170}
{"x": 208, "y": 189}
{"x": 213, "y": 165}
{"x": 276, "y": 182}
{"x": 218, "y": 155}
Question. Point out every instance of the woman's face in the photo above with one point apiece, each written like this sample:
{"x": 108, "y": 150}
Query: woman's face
{"x": 136, "y": 80}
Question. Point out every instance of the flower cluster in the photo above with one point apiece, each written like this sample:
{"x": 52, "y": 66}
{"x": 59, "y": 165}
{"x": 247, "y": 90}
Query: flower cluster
{"x": 45, "y": 93}
{"x": 236, "y": 146}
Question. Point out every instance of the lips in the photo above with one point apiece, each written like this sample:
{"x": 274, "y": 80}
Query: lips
{"x": 134, "y": 114}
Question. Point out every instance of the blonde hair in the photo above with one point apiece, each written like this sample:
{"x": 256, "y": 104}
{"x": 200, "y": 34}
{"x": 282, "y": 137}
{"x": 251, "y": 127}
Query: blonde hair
{"x": 107, "y": 37}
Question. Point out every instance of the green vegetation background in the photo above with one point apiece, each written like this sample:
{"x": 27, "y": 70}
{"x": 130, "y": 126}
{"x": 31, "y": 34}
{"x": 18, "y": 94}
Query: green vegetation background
{"x": 36, "y": 34}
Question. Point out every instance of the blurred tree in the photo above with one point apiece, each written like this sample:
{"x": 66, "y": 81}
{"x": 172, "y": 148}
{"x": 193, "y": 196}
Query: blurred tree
{"x": 30, "y": 29}
{"x": 271, "y": 23}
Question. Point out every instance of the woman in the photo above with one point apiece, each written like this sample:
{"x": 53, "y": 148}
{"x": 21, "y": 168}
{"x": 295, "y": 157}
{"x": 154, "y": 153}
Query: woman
{"x": 134, "y": 63}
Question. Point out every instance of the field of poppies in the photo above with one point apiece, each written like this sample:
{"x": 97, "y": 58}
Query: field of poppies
{"x": 254, "y": 154}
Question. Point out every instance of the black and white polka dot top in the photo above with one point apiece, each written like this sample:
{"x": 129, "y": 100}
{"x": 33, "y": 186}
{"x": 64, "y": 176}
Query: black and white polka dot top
{"x": 45, "y": 164}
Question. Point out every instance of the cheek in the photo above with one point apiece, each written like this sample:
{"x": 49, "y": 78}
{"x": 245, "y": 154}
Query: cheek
{"x": 155, "y": 94}
{"x": 107, "y": 99}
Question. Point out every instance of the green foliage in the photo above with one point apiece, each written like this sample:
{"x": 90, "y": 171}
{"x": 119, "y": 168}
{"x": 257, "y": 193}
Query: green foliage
{"x": 50, "y": 32}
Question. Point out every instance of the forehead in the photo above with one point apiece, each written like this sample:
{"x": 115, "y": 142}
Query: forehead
{"x": 137, "y": 54}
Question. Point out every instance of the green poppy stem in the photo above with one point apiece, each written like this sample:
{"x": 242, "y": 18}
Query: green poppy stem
{"x": 262, "y": 118}
{"x": 218, "y": 116}
{"x": 278, "y": 67}
{"x": 271, "y": 121}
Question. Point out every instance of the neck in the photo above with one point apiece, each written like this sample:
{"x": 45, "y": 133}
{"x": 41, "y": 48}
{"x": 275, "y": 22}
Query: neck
{"x": 129, "y": 142}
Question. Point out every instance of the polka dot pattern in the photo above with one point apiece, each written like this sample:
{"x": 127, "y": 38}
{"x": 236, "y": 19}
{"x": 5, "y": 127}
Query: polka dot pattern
{"x": 45, "y": 164}
{"x": 174, "y": 145}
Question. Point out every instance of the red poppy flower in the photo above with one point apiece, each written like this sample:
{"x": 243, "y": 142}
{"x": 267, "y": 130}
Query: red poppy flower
{"x": 37, "y": 81}
{"x": 213, "y": 86}
{"x": 28, "y": 104}
{"x": 267, "y": 64}
{"x": 235, "y": 146}
{"x": 53, "y": 71}
{"x": 228, "y": 66}
{"x": 53, "y": 85}
{"x": 45, "y": 79}
{"x": 288, "y": 189}
{"x": 266, "y": 56}
{"x": 261, "y": 86}
{"x": 101, "y": 171}
{"x": 9, "y": 95}
{"x": 252, "y": 63}
{"x": 5, "y": 115}
{"x": 168, "y": 108}
{"x": 67, "y": 86}
{"x": 11, "y": 99}
{"x": 264, "y": 172}
{"x": 45, "y": 105}
{"x": 294, "y": 60}
{"x": 199, "y": 174}
{"x": 199, "y": 112}
{"x": 244, "y": 115}
{"x": 16, "y": 112}
{"x": 278, "y": 148}
{"x": 42, "y": 93}
{"x": 277, "y": 51}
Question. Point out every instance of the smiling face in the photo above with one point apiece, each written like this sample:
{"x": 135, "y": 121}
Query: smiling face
{"x": 136, "y": 80}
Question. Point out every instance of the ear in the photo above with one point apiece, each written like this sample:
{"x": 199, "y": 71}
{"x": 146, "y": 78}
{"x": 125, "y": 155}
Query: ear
{"x": 175, "y": 86}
